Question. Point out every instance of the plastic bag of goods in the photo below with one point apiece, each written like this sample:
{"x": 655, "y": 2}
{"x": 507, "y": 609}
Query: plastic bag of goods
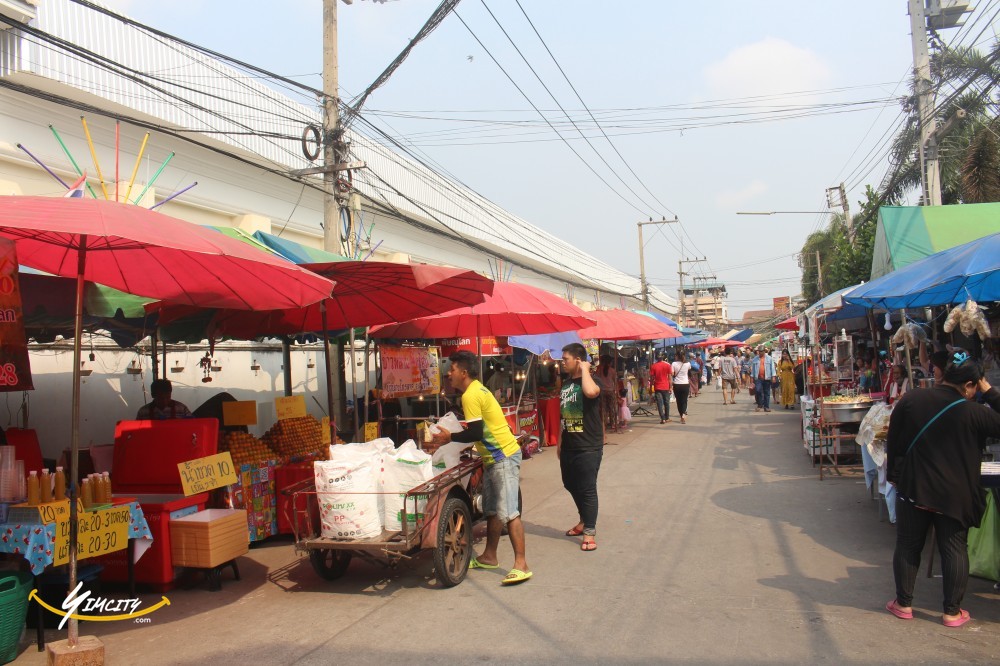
{"x": 449, "y": 422}
{"x": 448, "y": 456}
{"x": 402, "y": 470}
{"x": 346, "y": 493}
{"x": 376, "y": 446}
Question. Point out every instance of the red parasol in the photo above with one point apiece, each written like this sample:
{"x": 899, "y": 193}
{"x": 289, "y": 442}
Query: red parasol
{"x": 149, "y": 254}
{"x": 626, "y": 325}
{"x": 512, "y": 309}
{"x": 366, "y": 294}
{"x": 790, "y": 324}
{"x": 710, "y": 342}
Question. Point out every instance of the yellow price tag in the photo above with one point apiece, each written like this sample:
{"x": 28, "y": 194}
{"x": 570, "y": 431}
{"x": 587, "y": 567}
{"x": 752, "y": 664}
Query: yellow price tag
{"x": 326, "y": 437}
{"x": 290, "y": 406}
{"x": 103, "y": 531}
{"x": 239, "y": 413}
{"x": 208, "y": 473}
{"x": 371, "y": 431}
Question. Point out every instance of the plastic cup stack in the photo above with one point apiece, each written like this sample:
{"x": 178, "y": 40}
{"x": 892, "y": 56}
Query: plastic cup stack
{"x": 8, "y": 474}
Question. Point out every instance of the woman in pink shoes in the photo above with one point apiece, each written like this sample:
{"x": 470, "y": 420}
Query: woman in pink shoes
{"x": 935, "y": 443}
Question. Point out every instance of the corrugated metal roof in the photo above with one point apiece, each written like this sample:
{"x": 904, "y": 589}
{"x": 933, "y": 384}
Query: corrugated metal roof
{"x": 194, "y": 92}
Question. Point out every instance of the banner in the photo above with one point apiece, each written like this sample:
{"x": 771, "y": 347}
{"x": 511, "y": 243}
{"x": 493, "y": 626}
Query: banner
{"x": 409, "y": 371}
{"x": 782, "y": 304}
{"x": 491, "y": 346}
{"x": 15, "y": 368}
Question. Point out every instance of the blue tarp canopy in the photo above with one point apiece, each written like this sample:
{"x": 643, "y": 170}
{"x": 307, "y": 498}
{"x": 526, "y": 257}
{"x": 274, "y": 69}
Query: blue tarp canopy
{"x": 658, "y": 317}
{"x": 952, "y": 276}
{"x": 544, "y": 342}
{"x": 742, "y": 336}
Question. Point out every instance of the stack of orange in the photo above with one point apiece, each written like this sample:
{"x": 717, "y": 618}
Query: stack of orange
{"x": 245, "y": 448}
{"x": 299, "y": 436}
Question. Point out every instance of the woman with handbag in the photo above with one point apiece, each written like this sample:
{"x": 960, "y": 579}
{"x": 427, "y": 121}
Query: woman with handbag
{"x": 681, "y": 383}
{"x": 935, "y": 442}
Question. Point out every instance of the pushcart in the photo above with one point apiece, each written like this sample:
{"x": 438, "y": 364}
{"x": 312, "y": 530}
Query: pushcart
{"x": 453, "y": 507}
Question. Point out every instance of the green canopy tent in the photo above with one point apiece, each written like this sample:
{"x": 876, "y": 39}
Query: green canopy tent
{"x": 907, "y": 233}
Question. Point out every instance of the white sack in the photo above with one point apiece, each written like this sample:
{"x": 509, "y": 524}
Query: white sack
{"x": 448, "y": 456}
{"x": 402, "y": 470}
{"x": 346, "y": 492}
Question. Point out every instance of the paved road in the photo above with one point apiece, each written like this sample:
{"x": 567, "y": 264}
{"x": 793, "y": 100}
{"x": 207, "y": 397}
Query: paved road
{"x": 717, "y": 544}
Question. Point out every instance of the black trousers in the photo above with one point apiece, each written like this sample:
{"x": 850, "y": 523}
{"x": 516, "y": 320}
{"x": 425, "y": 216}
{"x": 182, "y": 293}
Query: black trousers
{"x": 579, "y": 476}
{"x": 912, "y": 525}
{"x": 681, "y": 394}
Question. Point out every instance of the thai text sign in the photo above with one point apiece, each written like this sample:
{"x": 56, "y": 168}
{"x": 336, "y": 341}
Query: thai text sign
{"x": 208, "y": 473}
{"x": 290, "y": 407}
{"x": 410, "y": 371}
{"x": 15, "y": 368}
{"x": 98, "y": 532}
{"x": 491, "y": 346}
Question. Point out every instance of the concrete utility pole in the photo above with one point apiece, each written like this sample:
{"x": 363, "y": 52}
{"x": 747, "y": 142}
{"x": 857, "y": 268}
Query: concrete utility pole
{"x": 642, "y": 262}
{"x": 680, "y": 289}
{"x": 333, "y": 145}
{"x": 819, "y": 276}
{"x": 837, "y": 196}
{"x": 936, "y": 15}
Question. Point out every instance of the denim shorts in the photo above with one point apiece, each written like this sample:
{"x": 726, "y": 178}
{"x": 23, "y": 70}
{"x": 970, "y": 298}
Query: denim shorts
{"x": 501, "y": 481}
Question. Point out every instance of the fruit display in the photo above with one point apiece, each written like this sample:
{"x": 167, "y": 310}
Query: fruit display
{"x": 245, "y": 448}
{"x": 295, "y": 437}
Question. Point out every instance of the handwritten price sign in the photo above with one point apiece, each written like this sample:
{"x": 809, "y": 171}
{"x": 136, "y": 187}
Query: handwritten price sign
{"x": 98, "y": 532}
{"x": 209, "y": 473}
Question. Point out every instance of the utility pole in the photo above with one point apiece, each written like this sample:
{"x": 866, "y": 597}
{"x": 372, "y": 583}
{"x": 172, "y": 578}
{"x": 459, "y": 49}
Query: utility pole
{"x": 332, "y": 133}
{"x": 697, "y": 309}
{"x": 680, "y": 289}
{"x": 642, "y": 262}
{"x": 837, "y": 196}
{"x": 933, "y": 14}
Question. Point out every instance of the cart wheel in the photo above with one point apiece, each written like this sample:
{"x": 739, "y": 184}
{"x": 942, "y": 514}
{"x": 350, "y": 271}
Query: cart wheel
{"x": 454, "y": 543}
{"x": 330, "y": 564}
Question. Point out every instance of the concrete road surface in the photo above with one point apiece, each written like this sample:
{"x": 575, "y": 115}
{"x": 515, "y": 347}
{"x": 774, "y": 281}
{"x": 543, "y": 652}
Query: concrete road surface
{"x": 718, "y": 543}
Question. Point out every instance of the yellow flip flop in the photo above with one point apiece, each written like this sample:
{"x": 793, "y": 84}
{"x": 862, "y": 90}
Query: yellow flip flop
{"x": 476, "y": 564}
{"x": 515, "y": 576}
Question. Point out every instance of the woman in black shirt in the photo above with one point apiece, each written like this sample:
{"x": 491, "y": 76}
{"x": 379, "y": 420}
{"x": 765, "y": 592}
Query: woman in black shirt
{"x": 935, "y": 442}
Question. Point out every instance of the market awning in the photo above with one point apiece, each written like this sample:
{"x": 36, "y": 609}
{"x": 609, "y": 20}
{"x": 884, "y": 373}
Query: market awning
{"x": 906, "y": 234}
{"x": 965, "y": 272}
{"x": 626, "y": 325}
{"x": 658, "y": 317}
{"x": 790, "y": 324}
{"x": 295, "y": 252}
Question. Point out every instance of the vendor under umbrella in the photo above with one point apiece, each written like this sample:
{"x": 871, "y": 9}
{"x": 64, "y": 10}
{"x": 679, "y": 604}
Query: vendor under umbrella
{"x": 162, "y": 407}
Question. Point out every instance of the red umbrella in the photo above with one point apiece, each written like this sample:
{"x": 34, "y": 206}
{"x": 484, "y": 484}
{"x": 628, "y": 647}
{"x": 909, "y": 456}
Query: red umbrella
{"x": 149, "y": 254}
{"x": 626, "y": 325}
{"x": 710, "y": 342}
{"x": 146, "y": 253}
{"x": 790, "y": 324}
{"x": 512, "y": 309}
{"x": 366, "y": 294}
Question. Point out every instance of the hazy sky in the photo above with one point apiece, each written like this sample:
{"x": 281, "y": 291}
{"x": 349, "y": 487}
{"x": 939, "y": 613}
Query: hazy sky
{"x": 669, "y": 82}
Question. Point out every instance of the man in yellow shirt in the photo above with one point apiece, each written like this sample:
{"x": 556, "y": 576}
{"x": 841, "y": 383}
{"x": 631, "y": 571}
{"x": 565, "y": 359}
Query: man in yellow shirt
{"x": 501, "y": 455}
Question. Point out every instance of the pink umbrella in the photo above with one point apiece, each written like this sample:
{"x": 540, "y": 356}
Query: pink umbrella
{"x": 626, "y": 325}
{"x": 149, "y": 254}
{"x": 512, "y": 309}
{"x": 790, "y": 324}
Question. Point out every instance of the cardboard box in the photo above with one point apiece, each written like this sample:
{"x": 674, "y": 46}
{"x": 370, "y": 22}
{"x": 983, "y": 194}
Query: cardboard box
{"x": 209, "y": 538}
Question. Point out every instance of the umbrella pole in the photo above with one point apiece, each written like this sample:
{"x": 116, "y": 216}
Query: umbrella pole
{"x": 286, "y": 361}
{"x": 354, "y": 380}
{"x": 906, "y": 344}
{"x": 364, "y": 417}
{"x": 524, "y": 382}
{"x": 329, "y": 372}
{"x": 74, "y": 460}
{"x": 164, "y": 364}
{"x": 154, "y": 343}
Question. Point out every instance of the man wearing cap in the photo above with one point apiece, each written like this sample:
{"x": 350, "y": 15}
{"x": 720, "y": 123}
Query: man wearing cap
{"x": 762, "y": 373}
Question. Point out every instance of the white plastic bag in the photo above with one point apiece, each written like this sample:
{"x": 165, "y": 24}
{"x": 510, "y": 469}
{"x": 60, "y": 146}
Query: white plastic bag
{"x": 449, "y": 422}
{"x": 448, "y": 456}
{"x": 402, "y": 470}
{"x": 346, "y": 492}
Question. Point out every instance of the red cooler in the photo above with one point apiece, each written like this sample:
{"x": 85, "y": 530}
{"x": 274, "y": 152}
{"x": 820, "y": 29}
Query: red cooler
{"x": 145, "y": 468}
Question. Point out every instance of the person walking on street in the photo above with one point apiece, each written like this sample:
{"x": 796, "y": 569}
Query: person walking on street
{"x": 745, "y": 370}
{"x": 762, "y": 370}
{"x": 681, "y": 379}
{"x": 659, "y": 383}
{"x": 729, "y": 372}
{"x": 934, "y": 447}
{"x": 501, "y": 455}
{"x": 786, "y": 371}
{"x": 581, "y": 446}
{"x": 694, "y": 375}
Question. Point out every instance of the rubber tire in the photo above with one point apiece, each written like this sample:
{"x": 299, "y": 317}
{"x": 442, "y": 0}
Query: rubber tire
{"x": 454, "y": 542}
{"x": 330, "y": 564}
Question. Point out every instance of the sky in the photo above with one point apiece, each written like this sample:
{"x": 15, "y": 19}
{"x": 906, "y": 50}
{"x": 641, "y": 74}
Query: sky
{"x": 673, "y": 85}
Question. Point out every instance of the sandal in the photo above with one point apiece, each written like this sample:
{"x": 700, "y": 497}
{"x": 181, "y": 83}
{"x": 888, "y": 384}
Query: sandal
{"x": 963, "y": 617}
{"x": 576, "y": 531}
{"x": 894, "y": 608}
{"x": 588, "y": 546}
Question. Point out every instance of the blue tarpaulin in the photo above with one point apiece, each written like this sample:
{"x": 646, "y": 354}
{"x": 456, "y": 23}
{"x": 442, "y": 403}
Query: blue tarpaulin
{"x": 543, "y": 342}
{"x": 953, "y": 276}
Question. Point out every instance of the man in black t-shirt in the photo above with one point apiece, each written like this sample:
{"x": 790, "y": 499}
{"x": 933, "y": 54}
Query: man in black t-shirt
{"x": 581, "y": 446}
